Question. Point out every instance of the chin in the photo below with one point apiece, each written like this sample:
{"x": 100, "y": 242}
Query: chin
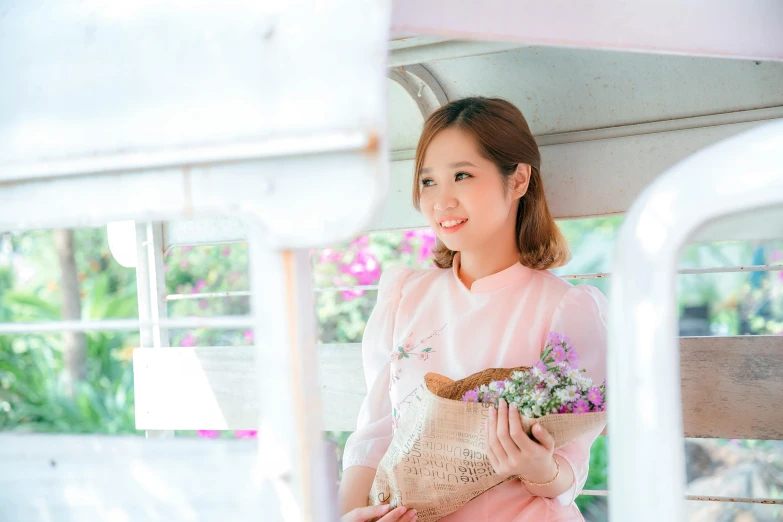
{"x": 453, "y": 244}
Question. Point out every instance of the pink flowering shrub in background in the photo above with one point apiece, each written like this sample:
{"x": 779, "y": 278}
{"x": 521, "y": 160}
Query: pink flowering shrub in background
{"x": 342, "y": 312}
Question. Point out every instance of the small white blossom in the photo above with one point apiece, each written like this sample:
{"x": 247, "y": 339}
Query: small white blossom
{"x": 584, "y": 383}
{"x": 536, "y": 372}
{"x": 536, "y": 410}
{"x": 568, "y": 394}
{"x": 539, "y": 396}
{"x": 551, "y": 380}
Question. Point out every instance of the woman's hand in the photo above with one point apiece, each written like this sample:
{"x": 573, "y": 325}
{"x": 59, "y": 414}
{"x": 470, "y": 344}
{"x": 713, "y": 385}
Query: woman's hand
{"x": 364, "y": 514}
{"x": 512, "y": 452}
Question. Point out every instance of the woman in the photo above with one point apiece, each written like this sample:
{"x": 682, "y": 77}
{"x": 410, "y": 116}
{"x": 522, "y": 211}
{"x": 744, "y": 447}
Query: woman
{"x": 490, "y": 303}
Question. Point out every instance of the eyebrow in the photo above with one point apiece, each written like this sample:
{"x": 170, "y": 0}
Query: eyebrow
{"x": 451, "y": 166}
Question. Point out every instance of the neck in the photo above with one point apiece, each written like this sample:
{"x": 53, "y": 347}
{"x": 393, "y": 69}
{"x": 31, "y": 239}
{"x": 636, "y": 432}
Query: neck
{"x": 476, "y": 265}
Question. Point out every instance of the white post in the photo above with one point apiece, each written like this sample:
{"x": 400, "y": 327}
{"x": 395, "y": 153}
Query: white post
{"x": 151, "y": 291}
{"x": 292, "y": 457}
{"x": 646, "y": 453}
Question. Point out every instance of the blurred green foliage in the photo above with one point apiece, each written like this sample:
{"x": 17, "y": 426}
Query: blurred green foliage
{"x": 34, "y": 397}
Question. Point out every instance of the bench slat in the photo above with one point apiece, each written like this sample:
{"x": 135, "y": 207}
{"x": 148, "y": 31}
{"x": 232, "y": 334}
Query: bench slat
{"x": 729, "y": 385}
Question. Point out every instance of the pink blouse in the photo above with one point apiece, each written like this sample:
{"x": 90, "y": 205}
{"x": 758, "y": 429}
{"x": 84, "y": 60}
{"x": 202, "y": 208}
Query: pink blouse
{"x": 444, "y": 327}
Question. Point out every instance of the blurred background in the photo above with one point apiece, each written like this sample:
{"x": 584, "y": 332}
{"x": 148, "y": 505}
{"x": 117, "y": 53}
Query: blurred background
{"x": 83, "y": 383}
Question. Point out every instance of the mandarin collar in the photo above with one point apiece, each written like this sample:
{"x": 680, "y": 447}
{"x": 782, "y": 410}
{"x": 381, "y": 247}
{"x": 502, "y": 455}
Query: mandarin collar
{"x": 492, "y": 282}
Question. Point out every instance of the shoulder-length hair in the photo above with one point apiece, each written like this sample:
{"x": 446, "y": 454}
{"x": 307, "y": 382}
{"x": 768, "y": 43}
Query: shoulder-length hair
{"x": 504, "y": 138}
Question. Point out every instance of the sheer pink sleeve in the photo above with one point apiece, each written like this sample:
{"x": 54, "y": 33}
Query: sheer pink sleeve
{"x": 367, "y": 445}
{"x": 581, "y": 315}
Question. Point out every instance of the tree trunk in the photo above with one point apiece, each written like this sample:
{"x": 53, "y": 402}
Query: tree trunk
{"x": 75, "y": 342}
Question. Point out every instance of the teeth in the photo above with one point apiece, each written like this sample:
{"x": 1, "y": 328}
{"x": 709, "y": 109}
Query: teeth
{"x": 452, "y": 223}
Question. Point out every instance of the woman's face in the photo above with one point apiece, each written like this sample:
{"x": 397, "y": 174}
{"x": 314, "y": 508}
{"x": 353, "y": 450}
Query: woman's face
{"x": 463, "y": 195}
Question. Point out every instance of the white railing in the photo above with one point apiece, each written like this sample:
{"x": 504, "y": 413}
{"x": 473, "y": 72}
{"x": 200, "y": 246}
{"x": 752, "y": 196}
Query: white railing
{"x": 646, "y": 456}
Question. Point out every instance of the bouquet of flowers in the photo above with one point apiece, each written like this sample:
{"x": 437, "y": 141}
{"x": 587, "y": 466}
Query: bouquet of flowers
{"x": 437, "y": 459}
{"x": 554, "y": 384}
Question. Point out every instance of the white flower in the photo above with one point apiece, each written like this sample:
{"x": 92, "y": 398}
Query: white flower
{"x": 568, "y": 394}
{"x": 517, "y": 375}
{"x": 527, "y": 412}
{"x": 584, "y": 383}
{"x": 536, "y": 410}
{"x": 551, "y": 380}
{"x": 483, "y": 388}
{"x": 493, "y": 386}
{"x": 511, "y": 388}
{"x": 539, "y": 396}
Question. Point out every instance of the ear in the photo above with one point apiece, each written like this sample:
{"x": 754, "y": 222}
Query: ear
{"x": 521, "y": 180}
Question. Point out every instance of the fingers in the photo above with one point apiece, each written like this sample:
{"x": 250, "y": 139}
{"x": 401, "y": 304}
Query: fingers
{"x": 544, "y": 437}
{"x": 400, "y": 514}
{"x": 509, "y": 446}
{"x": 493, "y": 459}
{"x": 494, "y": 442}
{"x": 363, "y": 514}
{"x": 517, "y": 434}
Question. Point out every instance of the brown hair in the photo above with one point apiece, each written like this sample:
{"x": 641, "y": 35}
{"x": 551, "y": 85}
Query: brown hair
{"x": 504, "y": 138}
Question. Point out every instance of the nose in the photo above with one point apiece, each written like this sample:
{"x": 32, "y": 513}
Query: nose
{"x": 444, "y": 200}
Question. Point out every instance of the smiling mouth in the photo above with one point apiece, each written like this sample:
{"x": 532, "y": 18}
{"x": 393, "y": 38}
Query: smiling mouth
{"x": 452, "y": 225}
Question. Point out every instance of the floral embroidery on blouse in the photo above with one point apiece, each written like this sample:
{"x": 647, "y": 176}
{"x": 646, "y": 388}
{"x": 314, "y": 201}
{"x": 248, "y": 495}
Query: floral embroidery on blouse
{"x": 404, "y": 351}
{"x": 407, "y": 348}
{"x": 396, "y": 411}
{"x": 395, "y": 376}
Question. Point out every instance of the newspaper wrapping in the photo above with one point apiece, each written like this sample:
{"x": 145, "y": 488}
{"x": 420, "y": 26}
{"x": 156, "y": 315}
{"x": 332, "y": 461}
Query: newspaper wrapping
{"x": 437, "y": 459}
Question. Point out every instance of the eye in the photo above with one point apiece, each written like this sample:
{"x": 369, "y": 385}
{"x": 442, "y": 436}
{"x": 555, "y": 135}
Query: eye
{"x": 427, "y": 182}
{"x": 465, "y": 174}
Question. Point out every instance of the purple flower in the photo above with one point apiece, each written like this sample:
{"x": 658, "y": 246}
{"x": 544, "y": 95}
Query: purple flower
{"x": 248, "y": 335}
{"x": 188, "y": 340}
{"x": 471, "y": 396}
{"x": 426, "y": 239}
{"x": 572, "y": 356}
{"x": 245, "y": 434}
{"x": 554, "y": 338}
{"x": 559, "y": 354}
{"x": 581, "y": 406}
{"x": 208, "y": 434}
{"x": 202, "y": 303}
{"x": 539, "y": 371}
{"x": 226, "y": 251}
{"x": 594, "y": 396}
{"x": 564, "y": 409}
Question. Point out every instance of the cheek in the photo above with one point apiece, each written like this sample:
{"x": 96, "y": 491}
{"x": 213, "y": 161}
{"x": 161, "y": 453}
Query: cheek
{"x": 426, "y": 206}
{"x": 489, "y": 205}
